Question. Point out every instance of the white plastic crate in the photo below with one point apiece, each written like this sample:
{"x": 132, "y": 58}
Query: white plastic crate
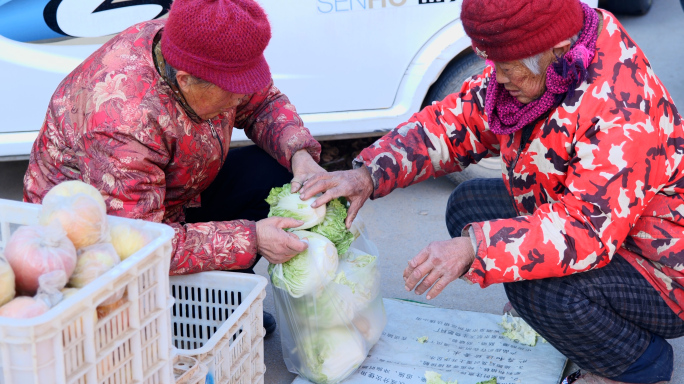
{"x": 217, "y": 318}
{"x": 69, "y": 345}
{"x": 187, "y": 370}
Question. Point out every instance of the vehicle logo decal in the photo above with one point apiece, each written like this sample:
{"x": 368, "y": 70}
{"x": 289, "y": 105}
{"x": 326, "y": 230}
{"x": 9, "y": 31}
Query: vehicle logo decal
{"x": 35, "y": 20}
{"x": 335, "y": 6}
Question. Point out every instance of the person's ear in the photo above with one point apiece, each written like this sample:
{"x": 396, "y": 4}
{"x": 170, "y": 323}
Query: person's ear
{"x": 562, "y": 48}
{"x": 184, "y": 80}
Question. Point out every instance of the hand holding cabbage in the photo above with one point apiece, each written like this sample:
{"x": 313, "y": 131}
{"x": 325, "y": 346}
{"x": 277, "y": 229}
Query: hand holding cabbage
{"x": 274, "y": 243}
{"x": 284, "y": 203}
{"x": 355, "y": 185}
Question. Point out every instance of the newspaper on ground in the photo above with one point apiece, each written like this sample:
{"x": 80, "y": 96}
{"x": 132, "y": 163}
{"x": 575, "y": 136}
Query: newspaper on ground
{"x": 461, "y": 345}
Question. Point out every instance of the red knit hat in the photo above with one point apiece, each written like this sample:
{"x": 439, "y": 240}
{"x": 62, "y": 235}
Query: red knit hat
{"x": 507, "y": 30}
{"x": 220, "y": 41}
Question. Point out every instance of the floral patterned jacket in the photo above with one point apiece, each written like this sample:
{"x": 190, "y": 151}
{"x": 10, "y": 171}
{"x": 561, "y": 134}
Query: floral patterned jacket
{"x": 113, "y": 123}
{"x": 603, "y": 173}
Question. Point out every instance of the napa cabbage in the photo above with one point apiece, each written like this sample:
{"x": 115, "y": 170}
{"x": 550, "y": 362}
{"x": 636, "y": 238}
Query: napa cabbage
{"x": 287, "y": 204}
{"x": 333, "y": 226}
{"x": 308, "y": 272}
{"x": 330, "y": 355}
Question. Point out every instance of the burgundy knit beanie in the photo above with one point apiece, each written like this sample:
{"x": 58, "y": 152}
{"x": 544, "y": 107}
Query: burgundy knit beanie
{"x": 220, "y": 41}
{"x": 507, "y": 30}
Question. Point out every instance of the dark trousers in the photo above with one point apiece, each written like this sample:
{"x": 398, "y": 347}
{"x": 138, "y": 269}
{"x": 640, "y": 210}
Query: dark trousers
{"x": 609, "y": 321}
{"x": 240, "y": 189}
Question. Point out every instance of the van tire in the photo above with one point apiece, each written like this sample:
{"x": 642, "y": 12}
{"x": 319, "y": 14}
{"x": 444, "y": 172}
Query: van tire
{"x": 627, "y": 7}
{"x": 452, "y": 78}
{"x": 450, "y": 81}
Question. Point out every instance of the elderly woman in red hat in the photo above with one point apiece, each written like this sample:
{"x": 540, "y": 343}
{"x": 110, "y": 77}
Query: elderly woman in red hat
{"x": 147, "y": 119}
{"x": 586, "y": 228}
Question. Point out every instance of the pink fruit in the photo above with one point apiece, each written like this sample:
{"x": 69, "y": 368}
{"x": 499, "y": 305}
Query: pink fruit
{"x": 23, "y": 307}
{"x": 34, "y": 250}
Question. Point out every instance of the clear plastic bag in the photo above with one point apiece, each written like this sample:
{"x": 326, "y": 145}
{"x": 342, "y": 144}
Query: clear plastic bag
{"x": 50, "y": 287}
{"x": 327, "y": 334}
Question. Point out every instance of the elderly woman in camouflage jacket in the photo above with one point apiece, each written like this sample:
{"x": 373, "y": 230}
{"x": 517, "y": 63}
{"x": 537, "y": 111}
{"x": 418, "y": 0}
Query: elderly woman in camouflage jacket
{"x": 585, "y": 228}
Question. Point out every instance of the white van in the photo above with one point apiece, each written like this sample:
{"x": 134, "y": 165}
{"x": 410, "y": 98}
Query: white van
{"x": 353, "y": 68}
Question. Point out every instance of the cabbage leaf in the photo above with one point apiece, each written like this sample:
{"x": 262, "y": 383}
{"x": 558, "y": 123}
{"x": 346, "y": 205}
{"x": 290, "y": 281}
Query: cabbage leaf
{"x": 435, "y": 378}
{"x": 332, "y": 354}
{"x": 286, "y": 204}
{"x": 333, "y": 226}
{"x": 308, "y": 272}
{"x": 518, "y": 330}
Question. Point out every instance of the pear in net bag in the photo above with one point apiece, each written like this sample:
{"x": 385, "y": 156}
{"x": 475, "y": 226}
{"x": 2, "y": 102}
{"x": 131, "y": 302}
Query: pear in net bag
{"x": 79, "y": 209}
{"x": 34, "y": 250}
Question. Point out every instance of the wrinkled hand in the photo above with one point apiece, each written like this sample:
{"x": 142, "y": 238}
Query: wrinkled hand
{"x": 276, "y": 245}
{"x": 439, "y": 263}
{"x": 356, "y": 185}
{"x": 303, "y": 168}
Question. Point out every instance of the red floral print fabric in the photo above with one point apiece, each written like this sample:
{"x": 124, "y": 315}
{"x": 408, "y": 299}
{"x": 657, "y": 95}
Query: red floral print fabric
{"x": 113, "y": 123}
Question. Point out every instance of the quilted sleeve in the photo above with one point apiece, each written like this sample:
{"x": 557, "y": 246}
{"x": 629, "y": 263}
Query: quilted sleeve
{"x": 130, "y": 176}
{"x": 274, "y": 125}
{"x": 442, "y": 138}
{"x": 617, "y": 167}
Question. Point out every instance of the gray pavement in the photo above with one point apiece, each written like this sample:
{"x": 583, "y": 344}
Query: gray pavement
{"x": 660, "y": 34}
{"x": 404, "y": 222}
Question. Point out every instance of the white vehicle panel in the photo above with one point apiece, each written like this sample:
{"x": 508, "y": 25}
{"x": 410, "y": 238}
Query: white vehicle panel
{"x": 351, "y": 67}
{"x": 353, "y": 57}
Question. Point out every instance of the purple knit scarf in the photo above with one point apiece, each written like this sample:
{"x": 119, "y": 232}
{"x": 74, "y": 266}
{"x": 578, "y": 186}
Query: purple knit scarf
{"x": 507, "y": 115}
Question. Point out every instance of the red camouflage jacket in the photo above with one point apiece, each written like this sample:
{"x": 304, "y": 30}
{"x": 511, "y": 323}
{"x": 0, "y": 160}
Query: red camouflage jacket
{"x": 113, "y": 123}
{"x": 603, "y": 173}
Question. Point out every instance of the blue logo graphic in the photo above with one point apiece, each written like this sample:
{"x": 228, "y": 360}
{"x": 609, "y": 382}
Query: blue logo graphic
{"x": 35, "y": 20}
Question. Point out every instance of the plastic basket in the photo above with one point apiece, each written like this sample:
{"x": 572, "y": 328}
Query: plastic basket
{"x": 217, "y": 318}
{"x": 68, "y": 344}
{"x": 187, "y": 370}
